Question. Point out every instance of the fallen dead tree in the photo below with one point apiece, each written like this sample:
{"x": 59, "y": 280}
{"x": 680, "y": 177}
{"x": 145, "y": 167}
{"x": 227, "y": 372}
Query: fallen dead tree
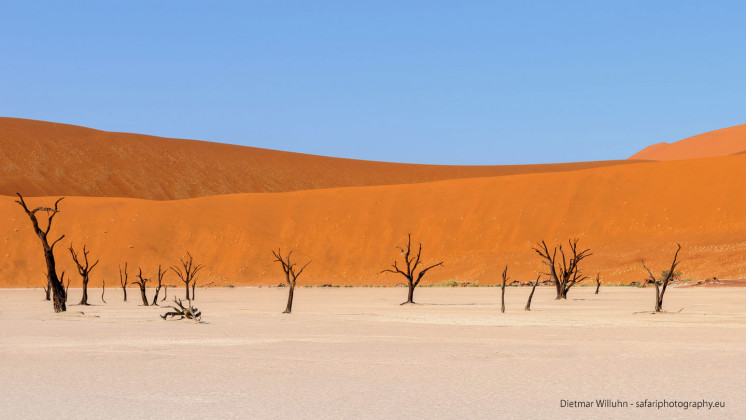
{"x": 183, "y": 312}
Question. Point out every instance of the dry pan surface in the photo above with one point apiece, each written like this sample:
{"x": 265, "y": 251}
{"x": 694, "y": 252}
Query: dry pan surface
{"x": 355, "y": 353}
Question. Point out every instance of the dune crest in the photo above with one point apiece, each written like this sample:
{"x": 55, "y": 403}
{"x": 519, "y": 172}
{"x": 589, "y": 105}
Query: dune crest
{"x": 723, "y": 142}
{"x": 42, "y": 158}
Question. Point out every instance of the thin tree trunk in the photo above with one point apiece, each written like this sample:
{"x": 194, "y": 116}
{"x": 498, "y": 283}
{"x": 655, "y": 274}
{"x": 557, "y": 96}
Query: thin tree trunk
{"x": 194, "y": 286}
{"x": 658, "y": 300}
{"x": 598, "y": 283}
{"x": 103, "y": 290}
{"x": 143, "y": 295}
{"x": 502, "y": 307}
{"x": 289, "y": 307}
{"x": 531, "y": 296}
{"x": 165, "y": 293}
{"x": 187, "y": 291}
{"x": 84, "y": 299}
{"x": 155, "y": 298}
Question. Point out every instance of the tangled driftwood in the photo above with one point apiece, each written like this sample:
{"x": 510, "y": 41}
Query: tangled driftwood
{"x": 188, "y": 312}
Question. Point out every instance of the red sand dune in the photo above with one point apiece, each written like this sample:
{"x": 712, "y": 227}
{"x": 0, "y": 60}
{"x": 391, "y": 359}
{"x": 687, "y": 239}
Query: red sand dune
{"x": 41, "y": 158}
{"x": 476, "y": 226}
{"x": 724, "y": 142}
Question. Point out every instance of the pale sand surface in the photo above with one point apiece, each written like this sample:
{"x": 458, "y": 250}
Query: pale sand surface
{"x": 355, "y": 353}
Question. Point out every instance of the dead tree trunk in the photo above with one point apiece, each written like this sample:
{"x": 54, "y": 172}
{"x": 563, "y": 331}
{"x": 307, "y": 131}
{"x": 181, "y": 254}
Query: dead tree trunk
{"x": 669, "y": 275}
{"x": 531, "y": 296}
{"x": 194, "y": 286}
{"x": 58, "y": 292}
{"x": 505, "y": 281}
{"x": 67, "y": 287}
{"x": 187, "y": 272}
{"x": 565, "y": 272}
{"x": 142, "y": 282}
{"x": 161, "y": 273}
{"x": 290, "y": 275}
{"x": 83, "y": 270}
{"x": 103, "y": 290}
{"x": 409, "y": 271}
{"x": 165, "y": 292}
{"x": 123, "y": 280}
{"x": 598, "y": 282}
{"x": 47, "y": 289}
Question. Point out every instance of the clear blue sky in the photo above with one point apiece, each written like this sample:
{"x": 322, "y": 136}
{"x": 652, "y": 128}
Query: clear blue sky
{"x": 453, "y": 82}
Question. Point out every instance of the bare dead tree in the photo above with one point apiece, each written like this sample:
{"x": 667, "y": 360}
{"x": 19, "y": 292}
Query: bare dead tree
{"x": 531, "y": 296}
{"x": 290, "y": 275}
{"x": 103, "y": 290}
{"x": 505, "y": 280}
{"x": 564, "y": 270}
{"x": 598, "y": 282}
{"x": 123, "y": 279}
{"x": 188, "y": 312}
{"x": 660, "y": 291}
{"x": 47, "y": 289}
{"x": 161, "y": 273}
{"x": 187, "y": 272}
{"x": 410, "y": 270}
{"x": 165, "y": 292}
{"x": 67, "y": 287}
{"x": 83, "y": 270}
{"x": 58, "y": 292}
{"x": 142, "y": 282}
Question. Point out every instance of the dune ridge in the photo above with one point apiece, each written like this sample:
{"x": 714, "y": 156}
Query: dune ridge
{"x": 41, "y": 158}
{"x": 723, "y": 142}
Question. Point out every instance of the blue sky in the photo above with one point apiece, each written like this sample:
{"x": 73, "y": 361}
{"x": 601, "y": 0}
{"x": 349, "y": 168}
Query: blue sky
{"x": 448, "y": 82}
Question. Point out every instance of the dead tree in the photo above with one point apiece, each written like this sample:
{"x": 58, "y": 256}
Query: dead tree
{"x": 290, "y": 275}
{"x": 598, "y": 282}
{"x": 58, "y": 292}
{"x": 165, "y": 292}
{"x": 103, "y": 290}
{"x": 564, "y": 271}
{"x": 47, "y": 289}
{"x": 663, "y": 283}
{"x": 505, "y": 281}
{"x": 531, "y": 296}
{"x": 188, "y": 312}
{"x": 410, "y": 271}
{"x": 123, "y": 280}
{"x": 187, "y": 272}
{"x": 142, "y": 282}
{"x": 67, "y": 287}
{"x": 161, "y": 273}
{"x": 83, "y": 270}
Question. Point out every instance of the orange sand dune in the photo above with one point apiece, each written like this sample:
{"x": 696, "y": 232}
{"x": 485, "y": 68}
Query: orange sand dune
{"x": 476, "y": 226}
{"x": 41, "y": 158}
{"x": 723, "y": 142}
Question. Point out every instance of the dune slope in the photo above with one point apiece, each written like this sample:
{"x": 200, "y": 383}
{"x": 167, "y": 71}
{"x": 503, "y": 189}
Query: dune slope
{"x": 475, "y": 226}
{"x": 41, "y": 158}
{"x": 723, "y": 142}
